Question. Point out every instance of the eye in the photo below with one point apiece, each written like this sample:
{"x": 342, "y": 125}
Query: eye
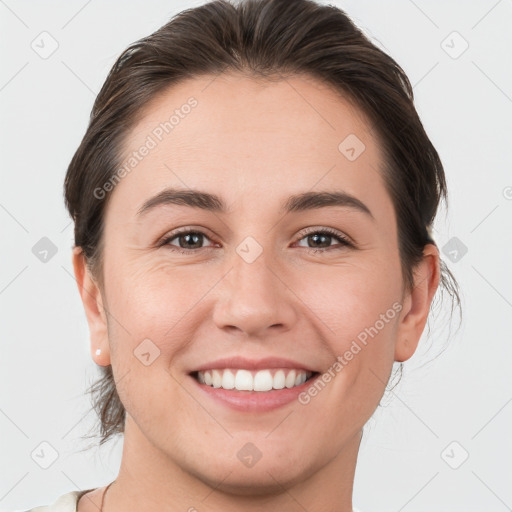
{"x": 189, "y": 241}
{"x": 324, "y": 237}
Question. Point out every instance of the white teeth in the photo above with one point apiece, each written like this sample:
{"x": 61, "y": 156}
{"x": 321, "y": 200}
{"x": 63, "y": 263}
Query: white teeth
{"x": 263, "y": 381}
{"x": 290, "y": 379}
{"x": 245, "y": 380}
{"x": 279, "y": 380}
{"x": 300, "y": 379}
{"x": 216, "y": 379}
{"x": 228, "y": 380}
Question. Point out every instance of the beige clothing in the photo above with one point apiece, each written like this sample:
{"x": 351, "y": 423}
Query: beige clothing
{"x": 66, "y": 503}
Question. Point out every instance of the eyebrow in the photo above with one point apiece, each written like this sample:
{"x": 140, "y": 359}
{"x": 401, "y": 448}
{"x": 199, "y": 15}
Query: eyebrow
{"x": 212, "y": 202}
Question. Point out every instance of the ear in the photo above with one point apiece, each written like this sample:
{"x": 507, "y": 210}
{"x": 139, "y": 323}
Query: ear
{"x": 416, "y": 304}
{"x": 94, "y": 310}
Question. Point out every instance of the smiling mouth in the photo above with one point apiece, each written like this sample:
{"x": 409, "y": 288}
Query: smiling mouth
{"x": 260, "y": 381}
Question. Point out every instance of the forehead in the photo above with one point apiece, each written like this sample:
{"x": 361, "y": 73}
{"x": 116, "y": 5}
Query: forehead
{"x": 234, "y": 135}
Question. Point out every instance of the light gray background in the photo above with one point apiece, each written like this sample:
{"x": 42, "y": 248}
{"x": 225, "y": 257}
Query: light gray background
{"x": 463, "y": 395}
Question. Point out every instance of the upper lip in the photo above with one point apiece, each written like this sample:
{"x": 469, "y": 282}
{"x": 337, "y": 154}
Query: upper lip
{"x": 242, "y": 363}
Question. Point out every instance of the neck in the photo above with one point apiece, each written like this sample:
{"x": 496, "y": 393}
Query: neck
{"x": 152, "y": 481}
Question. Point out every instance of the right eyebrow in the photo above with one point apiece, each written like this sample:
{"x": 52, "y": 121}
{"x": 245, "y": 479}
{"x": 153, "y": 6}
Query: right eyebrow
{"x": 184, "y": 197}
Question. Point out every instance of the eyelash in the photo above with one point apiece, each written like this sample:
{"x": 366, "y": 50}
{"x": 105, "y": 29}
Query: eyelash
{"x": 345, "y": 242}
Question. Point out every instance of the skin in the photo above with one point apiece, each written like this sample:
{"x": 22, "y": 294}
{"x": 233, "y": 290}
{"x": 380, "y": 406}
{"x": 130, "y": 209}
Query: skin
{"x": 253, "y": 143}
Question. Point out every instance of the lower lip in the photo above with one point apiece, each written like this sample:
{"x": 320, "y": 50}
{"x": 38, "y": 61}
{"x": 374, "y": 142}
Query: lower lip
{"x": 255, "y": 401}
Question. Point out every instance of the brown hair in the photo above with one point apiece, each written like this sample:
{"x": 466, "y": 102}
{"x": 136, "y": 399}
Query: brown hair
{"x": 265, "y": 39}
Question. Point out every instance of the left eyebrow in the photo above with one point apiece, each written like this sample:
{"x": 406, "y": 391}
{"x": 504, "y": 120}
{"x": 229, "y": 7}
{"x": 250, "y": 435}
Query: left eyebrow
{"x": 295, "y": 203}
{"x": 316, "y": 200}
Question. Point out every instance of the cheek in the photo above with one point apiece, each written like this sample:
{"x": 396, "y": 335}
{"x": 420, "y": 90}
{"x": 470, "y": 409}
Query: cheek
{"x": 156, "y": 302}
{"x": 152, "y": 294}
{"x": 359, "y": 309}
{"x": 353, "y": 302}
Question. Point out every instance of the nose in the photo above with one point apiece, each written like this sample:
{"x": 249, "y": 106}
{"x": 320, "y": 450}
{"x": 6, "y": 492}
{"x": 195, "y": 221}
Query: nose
{"x": 254, "y": 299}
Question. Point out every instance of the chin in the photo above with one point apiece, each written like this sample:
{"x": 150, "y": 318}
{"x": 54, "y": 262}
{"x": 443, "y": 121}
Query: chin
{"x": 268, "y": 476}
{"x": 249, "y": 483}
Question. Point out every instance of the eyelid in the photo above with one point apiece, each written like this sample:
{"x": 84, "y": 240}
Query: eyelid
{"x": 323, "y": 229}
{"x": 183, "y": 231}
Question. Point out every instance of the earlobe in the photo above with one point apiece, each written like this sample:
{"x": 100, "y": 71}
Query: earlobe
{"x": 92, "y": 300}
{"x": 417, "y": 304}
{"x": 100, "y": 358}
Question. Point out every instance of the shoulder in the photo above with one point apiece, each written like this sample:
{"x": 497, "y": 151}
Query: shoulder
{"x": 65, "y": 503}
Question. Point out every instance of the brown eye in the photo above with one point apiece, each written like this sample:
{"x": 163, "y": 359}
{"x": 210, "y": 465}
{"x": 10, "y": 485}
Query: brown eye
{"x": 322, "y": 239}
{"x": 192, "y": 240}
{"x": 188, "y": 241}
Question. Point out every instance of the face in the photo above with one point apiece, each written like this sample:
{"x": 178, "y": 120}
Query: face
{"x": 253, "y": 285}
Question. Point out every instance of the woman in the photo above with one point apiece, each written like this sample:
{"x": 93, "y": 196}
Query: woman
{"x": 252, "y": 201}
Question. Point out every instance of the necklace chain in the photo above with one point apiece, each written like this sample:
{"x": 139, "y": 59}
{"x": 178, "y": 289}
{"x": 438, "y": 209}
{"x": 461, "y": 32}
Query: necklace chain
{"x": 103, "y": 498}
